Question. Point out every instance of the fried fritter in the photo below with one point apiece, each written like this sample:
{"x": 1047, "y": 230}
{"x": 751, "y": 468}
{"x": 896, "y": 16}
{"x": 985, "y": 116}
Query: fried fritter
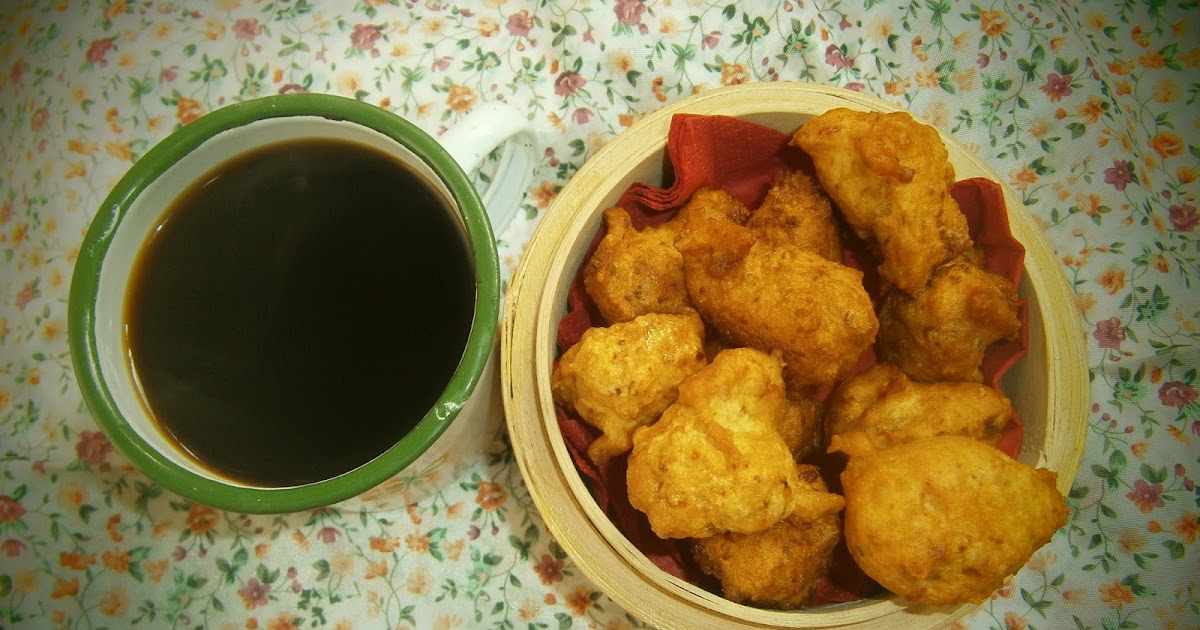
{"x": 801, "y": 425}
{"x": 893, "y": 410}
{"x": 778, "y": 567}
{"x": 890, "y": 176}
{"x": 711, "y": 204}
{"x": 715, "y": 462}
{"x": 796, "y": 211}
{"x": 944, "y": 520}
{"x": 776, "y": 296}
{"x": 633, "y": 273}
{"x": 622, "y": 377}
{"x": 941, "y": 332}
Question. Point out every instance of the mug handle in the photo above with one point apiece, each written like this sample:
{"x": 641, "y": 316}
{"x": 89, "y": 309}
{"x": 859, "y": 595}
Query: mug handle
{"x": 488, "y": 126}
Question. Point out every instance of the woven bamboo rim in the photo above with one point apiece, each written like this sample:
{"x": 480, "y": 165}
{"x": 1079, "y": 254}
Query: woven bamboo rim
{"x": 1049, "y": 386}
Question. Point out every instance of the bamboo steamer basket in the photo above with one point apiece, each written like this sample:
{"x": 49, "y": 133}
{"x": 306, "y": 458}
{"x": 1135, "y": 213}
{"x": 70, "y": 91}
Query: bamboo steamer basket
{"x": 1048, "y": 386}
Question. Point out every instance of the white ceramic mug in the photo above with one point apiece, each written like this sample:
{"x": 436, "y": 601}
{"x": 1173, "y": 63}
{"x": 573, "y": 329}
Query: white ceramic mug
{"x": 467, "y": 414}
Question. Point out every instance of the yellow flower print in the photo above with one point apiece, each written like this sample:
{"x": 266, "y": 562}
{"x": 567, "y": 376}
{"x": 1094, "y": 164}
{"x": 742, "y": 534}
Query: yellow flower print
{"x": 544, "y": 194}
{"x": 1023, "y": 178}
{"x": 1165, "y": 91}
{"x": 285, "y": 621}
{"x": 490, "y": 495}
{"x": 488, "y": 27}
{"x": 214, "y": 29}
{"x": 119, "y": 150}
{"x": 1085, "y": 302}
{"x": 376, "y": 569}
{"x": 116, "y": 560}
{"x": 187, "y": 110}
{"x": 993, "y": 23}
{"x": 733, "y": 74}
{"x": 71, "y": 495}
{"x": 1166, "y": 144}
{"x": 1187, "y": 527}
{"x": 25, "y": 581}
{"x": 201, "y": 518}
{"x": 1013, "y": 621}
{"x": 81, "y": 147}
{"x": 1092, "y": 110}
{"x": 461, "y": 98}
{"x": 65, "y": 588}
{"x": 1095, "y": 20}
{"x": 52, "y": 330}
{"x": 1116, "y": 595}
{"x": 417, "y": 582}
{"x": 1113, "y": 280}
{"x": 965, "y": 79}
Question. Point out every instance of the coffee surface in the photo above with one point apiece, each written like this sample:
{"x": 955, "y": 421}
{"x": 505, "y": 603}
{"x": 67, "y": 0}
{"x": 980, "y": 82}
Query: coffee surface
{"x": 299, "y": 310}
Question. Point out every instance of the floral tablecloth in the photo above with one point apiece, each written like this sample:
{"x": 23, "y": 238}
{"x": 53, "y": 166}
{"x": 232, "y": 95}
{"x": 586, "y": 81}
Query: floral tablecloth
{"x": 1088, "y": 110}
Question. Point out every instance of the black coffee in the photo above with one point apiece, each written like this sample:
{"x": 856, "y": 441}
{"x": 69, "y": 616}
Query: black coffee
{"x": 299, "y": 310}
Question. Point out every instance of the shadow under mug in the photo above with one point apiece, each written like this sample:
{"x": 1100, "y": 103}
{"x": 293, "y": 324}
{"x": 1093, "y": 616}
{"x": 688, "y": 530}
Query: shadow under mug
{"x": 466, "y": 413}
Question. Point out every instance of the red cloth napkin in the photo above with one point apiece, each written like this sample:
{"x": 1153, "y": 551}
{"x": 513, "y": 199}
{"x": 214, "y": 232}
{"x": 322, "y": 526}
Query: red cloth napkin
{"x": 744, "y": 159}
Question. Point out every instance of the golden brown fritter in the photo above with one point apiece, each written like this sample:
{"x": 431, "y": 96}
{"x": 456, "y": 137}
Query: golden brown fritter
{"x": 714, "y": 462}
{"x": 711, "y": 204}
{"x": 890, "y": 176}
{"x": 944, "y": 520}
{"x": 622, "y": 377}
{"x": 940, "y": 332}
{"x": 801, "y": 425}
{"x": 796, "y": 211}
{"x": 633, "y": 273}
{"x": 778, "y": 567}
{"x": 891, "y": 409}
{"x": 776, "y": 296}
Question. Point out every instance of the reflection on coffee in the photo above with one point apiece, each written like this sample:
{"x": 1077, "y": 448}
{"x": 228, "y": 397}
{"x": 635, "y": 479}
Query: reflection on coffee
{"x": 299, "y": 310}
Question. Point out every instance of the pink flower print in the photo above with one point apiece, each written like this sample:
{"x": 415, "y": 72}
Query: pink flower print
{"x": 18, "y": 70}
{"x": 836, "y": 58}
{"x": 93, "y": 447}
{"x": 13, "y": 547}
{"x": 520, "y": 23}
{"x": 629, "y": 12}
{"x": 568, "y": 83}
{"x": 328, "y": 535}
{"x": 98, "y": 50}
{"x": 1177, "y": 394}
{"x": 442, "y": 63}
{"x": 1109, "y": 333}
{"x": 10, "y": 510}
{"x": 247, "y": 29}
{"x": 25, "y": 295}
{"x": 1119, "y": 174}
{"x": 364, "y": 36}
{"x": 1056, "y": 87}
{"x": 711, "y": 40}
{"x": 982, "y": 60}
{"x": 588, "y": 37}
{"x": 1184, "y": 217}
{"x": 39, "y": 118}
{"x": 254, "y": 594}
{"x": 1146, "y": 496}
{"x": 580, "y": 116}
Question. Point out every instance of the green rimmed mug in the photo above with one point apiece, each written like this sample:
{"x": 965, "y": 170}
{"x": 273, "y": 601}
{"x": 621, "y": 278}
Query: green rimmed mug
{"x": 454, "y": 430}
